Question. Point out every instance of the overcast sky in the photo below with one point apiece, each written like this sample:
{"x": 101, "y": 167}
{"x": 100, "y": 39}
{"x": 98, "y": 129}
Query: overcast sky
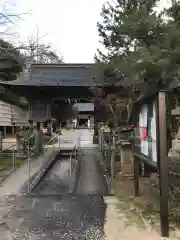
{"x": 69, "y": 25}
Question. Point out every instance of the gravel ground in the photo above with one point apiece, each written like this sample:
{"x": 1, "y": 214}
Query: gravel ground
{"x": 55, "y": 217}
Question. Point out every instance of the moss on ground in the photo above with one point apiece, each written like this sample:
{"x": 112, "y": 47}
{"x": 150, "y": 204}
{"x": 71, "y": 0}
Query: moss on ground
{"x": 6, "y": 162}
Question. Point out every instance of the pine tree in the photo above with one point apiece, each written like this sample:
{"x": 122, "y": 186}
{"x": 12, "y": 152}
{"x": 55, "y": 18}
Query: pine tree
{"x": 141, "y": 45}
{"x": 11, "y": 61}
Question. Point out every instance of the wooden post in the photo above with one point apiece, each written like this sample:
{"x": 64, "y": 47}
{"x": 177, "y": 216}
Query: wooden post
{"x": 136, "y": 177}
{"x": 127, "y": 160}
{"x": 30, "y": 110}
{"x": 18, "y": 142}
{"x": 49, "y": 127}
{"x": 1, "y": 142}
{"x": 41, "y": 126}
{"x": 136, "y": 168}
{"x": 162, "y": 158}
{"x": 95, "y": 137}
{"x": 38, "y": 139}
{"x": 5, "y": 132}
{"x": 105, "y": 159}
{"x": 13, "y": 129}
{"x": 101, "y": 133}
{"x": 30, "y": 126}
{"x": 113, "y": 148}
{"x": 48, "y": 111}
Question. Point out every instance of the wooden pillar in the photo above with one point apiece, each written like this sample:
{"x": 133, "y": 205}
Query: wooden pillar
{"x": 1, "y": 142}
{"x": 5, "y": 132}
{"x": 38, "y": 142}
{"x": 101, "y": 140}
{"x": 13, "y": 129}
{"x": 48, "y": 109}
{"x": 95, "y": 137}
{"x": 30, "y": 110}
{"x": 38, "y": 126}
{"x": 41, "y": 126}
{"x": 18, "y": 140}
{"x": 49, "y": 127}
{"x": 136, "y": 176}
{"x": 127, "y": 160}
{"x": 30, "y": 123}
{"x": 162, "y": 158}
{"x": 113, "y": 156}
{"x": 30, "y": 126}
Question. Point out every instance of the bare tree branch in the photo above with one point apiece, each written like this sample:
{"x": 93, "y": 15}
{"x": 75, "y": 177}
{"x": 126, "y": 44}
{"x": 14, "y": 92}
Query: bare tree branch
{"x": 119, "y": 103}
{"x": 37, "y": 52}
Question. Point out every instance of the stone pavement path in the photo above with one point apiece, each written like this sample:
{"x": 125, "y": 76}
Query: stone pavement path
{"x": 91, "y": 180}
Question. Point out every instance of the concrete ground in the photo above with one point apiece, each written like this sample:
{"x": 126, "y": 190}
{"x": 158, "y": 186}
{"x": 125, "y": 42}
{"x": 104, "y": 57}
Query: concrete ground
{"x": 86, "y": 214}
{"x": 91, "y": 179}
{"x": 57, "y": 181}
{"x": 69, "y": 138}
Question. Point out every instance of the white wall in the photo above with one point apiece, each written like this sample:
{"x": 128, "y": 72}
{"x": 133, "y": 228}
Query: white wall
{"x": 5, "y": 114}
{"x": 8, "y": 111}
{"x": 20, "y": 116}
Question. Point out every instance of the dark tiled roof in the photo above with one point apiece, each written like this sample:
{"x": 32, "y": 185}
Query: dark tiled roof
{"x": 60, "y": 75}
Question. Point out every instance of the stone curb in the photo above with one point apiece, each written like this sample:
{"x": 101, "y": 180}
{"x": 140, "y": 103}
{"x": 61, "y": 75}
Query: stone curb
{"x": 12, "y": 174}
{"x": 16, "y": 172}
{"x": 106, "y": 175}
{"x": 44, "y": 170}
{"x": 36, "y": 177}
{"x": 76, "y": 175}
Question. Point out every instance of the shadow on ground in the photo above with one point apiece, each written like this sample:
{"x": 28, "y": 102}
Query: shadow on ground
{"x": 55, "y": 217}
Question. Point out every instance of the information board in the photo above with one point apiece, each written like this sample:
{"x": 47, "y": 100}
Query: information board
{"x": 146, "y": 131}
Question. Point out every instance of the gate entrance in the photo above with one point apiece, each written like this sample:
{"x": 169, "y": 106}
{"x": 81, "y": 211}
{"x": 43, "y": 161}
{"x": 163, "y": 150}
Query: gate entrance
{"x": 48, "y": 85}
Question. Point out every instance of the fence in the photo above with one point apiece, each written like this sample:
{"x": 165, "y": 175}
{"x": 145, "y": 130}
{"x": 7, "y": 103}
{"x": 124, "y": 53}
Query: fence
{"x": 74, "y": 166}
{"x": 142, "y": 167}
{"x": 12, "y": 157}
{"x": 16, "y": 152}
{"x": 109, "y": 147}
